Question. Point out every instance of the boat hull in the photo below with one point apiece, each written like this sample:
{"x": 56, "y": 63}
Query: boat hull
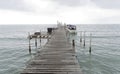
{"x": 71, "y": 31}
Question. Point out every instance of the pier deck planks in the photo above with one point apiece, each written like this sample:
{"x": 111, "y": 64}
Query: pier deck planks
{"x": 56, "y": 57}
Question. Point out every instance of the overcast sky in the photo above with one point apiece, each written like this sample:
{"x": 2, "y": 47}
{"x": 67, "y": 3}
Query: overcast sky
{"x": 69, "y": 11}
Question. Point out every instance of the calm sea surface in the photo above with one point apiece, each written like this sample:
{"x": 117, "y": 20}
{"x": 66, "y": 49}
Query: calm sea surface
{"x": 104, "y": 59}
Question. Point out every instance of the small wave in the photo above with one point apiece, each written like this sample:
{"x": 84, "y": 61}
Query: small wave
{"x": 13, "y": 38}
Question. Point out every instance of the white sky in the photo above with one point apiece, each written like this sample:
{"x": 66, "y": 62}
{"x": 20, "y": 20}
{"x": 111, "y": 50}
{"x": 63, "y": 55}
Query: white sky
{"x": 69, "y": 11}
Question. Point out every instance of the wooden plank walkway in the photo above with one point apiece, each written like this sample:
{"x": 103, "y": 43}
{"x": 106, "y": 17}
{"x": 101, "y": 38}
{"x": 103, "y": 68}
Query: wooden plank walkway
{"x": 56, "y": 57}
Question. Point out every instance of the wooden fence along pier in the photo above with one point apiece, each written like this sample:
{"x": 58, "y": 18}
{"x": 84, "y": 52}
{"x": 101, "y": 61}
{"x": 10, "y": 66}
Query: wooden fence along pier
{"x": 36, "y": 36}
{"x": 56, "y": 57}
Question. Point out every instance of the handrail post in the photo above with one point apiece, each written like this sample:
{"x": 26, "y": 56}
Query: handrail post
{"x": 81, "y": 37}
{"x": 48, "y": 37}
{"x": 29, "y": 37}
{"x": 90, "y": 43}
{"x": 36, "y": 41}
{"x": 73, "y": 43}
{"x": 40, "y": 38}
{"x": 84, "y": 39}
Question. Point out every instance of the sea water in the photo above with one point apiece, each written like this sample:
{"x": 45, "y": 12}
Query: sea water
{"x": 104, "y": 58}
{"x": 14, "y": 52}
{"x": 105, "y": 55}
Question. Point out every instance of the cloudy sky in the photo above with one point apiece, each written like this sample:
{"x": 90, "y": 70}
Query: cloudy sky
{"x": 69, "y": 11}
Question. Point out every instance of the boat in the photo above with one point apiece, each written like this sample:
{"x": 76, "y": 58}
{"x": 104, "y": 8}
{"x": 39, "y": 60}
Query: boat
{"x": 71, "y": 28}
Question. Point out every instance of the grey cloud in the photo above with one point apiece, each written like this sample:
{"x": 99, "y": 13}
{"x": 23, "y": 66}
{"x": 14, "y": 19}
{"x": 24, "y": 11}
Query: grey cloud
{"x": 109, "y": 4}
{"x": 20, "y": 5}
{"x": 108, "y": 20}
{"x": 71, "y": 2}
{"x": 13, "y": 5}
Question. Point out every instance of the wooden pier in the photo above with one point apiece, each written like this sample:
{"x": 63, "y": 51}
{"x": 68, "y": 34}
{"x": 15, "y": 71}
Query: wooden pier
{"x": 56, "y": 57}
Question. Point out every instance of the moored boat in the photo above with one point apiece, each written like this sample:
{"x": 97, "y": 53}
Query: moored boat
{"x": 71, "y": 28}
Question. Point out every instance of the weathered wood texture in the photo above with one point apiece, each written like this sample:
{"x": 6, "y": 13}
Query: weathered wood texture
{"x": 56, "y": 57}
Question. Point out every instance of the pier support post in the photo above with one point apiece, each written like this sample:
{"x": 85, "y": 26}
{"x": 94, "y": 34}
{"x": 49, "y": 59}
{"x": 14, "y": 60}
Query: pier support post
{"x": 84, "y": 39}
{"x": 68, "y": 36}
{"x": 81, "y": 37}
{"x": 73, "y": 43}
{"x": 29, "y": 42}
{"x": 36, "y": 41}
{"x": 40, "y": 38}
{"x": 48, "y": 39}
{"x": 90, "y": 43}
{"x": 66, "y": 33}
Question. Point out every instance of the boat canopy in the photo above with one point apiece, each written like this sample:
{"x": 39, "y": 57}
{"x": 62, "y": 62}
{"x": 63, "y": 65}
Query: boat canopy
{"x": 71, "y": 27}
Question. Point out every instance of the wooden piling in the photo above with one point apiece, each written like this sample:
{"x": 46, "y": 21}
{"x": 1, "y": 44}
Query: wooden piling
{"x": 81, "y": 36}
{"x": 66, "y": 32}
{"x": 29, "y": 42}
{"x": 36, "y": 42}
{"x": 84, "y": 39}
{"x": 48, "y": 37}
{"x": 73, "y": 43}
{"x": 90, "y": 43}
{"x": 67, "y": 35}
{"x": 40, "y": 38}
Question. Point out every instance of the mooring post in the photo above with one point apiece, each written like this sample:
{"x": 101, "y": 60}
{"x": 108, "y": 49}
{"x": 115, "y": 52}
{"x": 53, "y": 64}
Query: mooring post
{"x": 73, "y": 43}
{"x": 47, "y": 37}
{"x": 84, "y": 39}
{"x": 90, "y": 43}
{"x": 29, "y": 37}
{"x": 53, "y": 30}
{"x": 40, "y": 38}
{"x": 67, "y": 36}
{"x": 36, "y": 41}
{"x": 66, "y": 33}
{"x": 81, "y": 36}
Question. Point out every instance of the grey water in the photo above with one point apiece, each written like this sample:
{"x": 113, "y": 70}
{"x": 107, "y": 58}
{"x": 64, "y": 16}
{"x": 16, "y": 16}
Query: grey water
{"x": 104, "y": 59}
{"x": 14, "y": 52}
